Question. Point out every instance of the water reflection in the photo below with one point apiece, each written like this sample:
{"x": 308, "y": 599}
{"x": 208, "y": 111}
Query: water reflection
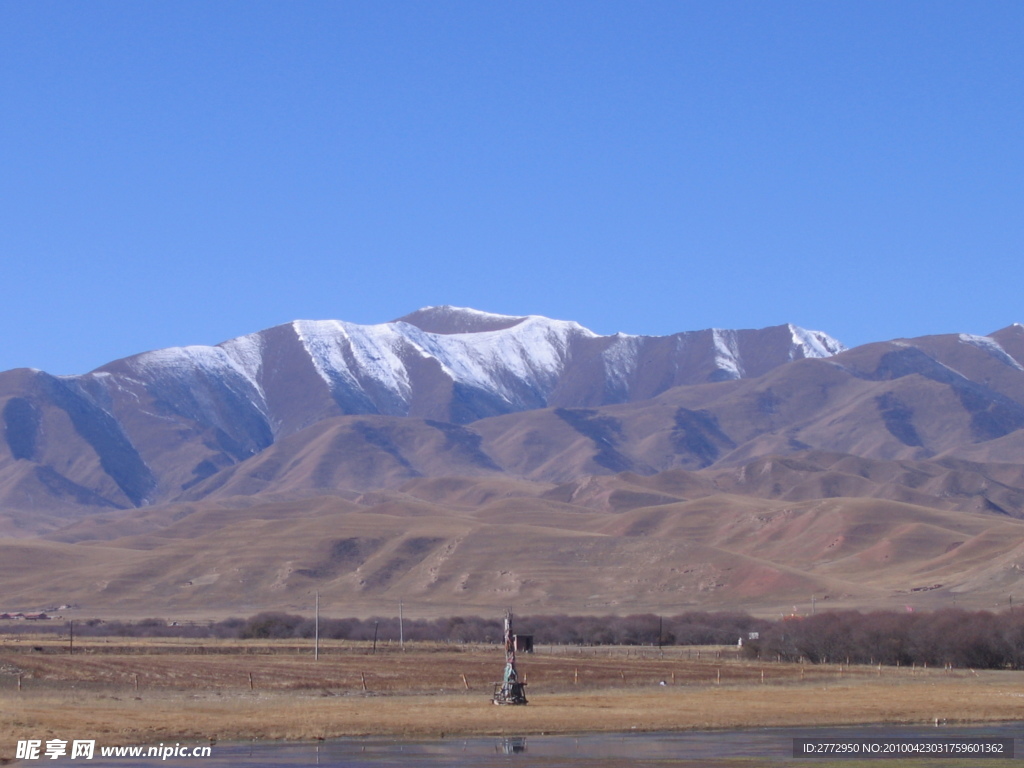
{"x": 511, "y": 746}
{"x": 688, "y": 749}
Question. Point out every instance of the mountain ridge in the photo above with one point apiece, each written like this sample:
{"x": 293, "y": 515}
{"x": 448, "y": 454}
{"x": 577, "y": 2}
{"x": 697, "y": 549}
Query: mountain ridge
{"x": 148, "y": 427}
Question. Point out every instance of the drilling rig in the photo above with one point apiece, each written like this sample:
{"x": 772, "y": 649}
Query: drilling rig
{"x": 510, "y": 690}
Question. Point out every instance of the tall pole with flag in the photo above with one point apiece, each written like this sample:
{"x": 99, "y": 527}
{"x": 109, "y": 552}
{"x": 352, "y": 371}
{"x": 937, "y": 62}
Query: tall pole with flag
{"x": 510, "y": 690}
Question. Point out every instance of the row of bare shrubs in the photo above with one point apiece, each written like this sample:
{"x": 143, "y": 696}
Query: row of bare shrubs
{"x": 641, "y": 629}
{"x": 950, "y": 637}
{"x": 947, "y": 637}
{"x": 695, "y": 628}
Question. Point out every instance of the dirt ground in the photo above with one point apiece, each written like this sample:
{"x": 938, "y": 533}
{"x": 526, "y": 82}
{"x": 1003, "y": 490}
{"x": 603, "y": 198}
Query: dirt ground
{"x": 131, "y": 692}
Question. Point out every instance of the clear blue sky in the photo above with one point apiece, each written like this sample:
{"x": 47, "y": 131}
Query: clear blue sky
{"x": 176, "y": 172}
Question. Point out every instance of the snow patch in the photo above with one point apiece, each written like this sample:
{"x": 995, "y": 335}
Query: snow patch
{"x": 620, "y": 359}
{"x": 371, "y": 348}
{"x": 195, "y": 367}
{"x": 247, "y": 354}
{"x": 448, "y": 309}
{"x": 727, "y": 352}
{"x": 992, "y": 347}
{"x": 532, "y": 353}
{"x": 813, "y": 343}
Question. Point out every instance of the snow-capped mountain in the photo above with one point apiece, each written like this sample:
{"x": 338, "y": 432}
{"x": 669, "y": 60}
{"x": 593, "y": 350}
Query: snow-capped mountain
{"x": 329, "y": 406}
{"x": 146, "y": 427}
{"x": 442, "y": 362}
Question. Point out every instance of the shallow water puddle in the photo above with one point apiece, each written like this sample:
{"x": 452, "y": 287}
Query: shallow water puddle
{"x": 758, "y": 747}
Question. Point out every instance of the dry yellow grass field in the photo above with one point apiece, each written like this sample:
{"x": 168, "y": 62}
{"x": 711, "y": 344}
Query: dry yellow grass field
{"x": 148, "y": 691}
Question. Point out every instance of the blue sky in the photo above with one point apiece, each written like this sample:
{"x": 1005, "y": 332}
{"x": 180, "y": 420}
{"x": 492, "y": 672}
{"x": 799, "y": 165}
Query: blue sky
{"x": 184, "y": 172}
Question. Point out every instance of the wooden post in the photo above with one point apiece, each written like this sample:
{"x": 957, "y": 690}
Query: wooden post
{"x": 136, "y": 681}
{"x": 71, "y": 637}
{"x": 718, "y": 677}
{"x": 316, "y": 630}
{"x": 362, "y": 678}
{"x": 250, "y": 681}
{"x": 576, "y": 676}
{"x": 465, "y": 682}
{"x": 375, "y": 637}
{"x": 673, "y": 677}
{"x": 762, "y": 677}
{"x": 19, "y": 682}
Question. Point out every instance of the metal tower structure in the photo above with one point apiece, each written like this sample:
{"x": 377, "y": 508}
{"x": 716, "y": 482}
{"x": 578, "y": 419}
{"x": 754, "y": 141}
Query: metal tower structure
{"x": 510, "y": 690}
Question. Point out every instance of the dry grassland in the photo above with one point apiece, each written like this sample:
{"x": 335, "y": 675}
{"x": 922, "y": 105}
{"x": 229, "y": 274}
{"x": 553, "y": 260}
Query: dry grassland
{"x": 148, "y": 691}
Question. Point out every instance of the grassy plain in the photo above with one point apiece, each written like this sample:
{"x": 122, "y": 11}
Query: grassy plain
{"x": 132, "y": 692}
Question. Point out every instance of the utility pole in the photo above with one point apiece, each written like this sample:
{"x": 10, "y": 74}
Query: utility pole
{"x": 316, "y": 629}
{"x": 401, "y": 628}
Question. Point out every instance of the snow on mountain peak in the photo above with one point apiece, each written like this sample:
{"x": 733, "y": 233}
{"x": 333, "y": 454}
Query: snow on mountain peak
{"x": 454, "y": 363}
{"x": 446, "y": 319}
{"x": 346, "y": 353}
{"x": 519, "y": 360}
{"x": 814, "y": 343}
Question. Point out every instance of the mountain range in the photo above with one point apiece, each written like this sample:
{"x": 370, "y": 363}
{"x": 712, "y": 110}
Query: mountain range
{"x": 412, "y": 458}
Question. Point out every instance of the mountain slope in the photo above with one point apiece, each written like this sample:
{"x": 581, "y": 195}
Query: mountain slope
{"x": 150, "y": 427}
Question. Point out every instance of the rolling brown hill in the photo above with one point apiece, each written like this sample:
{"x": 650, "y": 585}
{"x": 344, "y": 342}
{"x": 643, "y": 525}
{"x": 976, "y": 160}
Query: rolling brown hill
{"x": 534, "y": 553}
